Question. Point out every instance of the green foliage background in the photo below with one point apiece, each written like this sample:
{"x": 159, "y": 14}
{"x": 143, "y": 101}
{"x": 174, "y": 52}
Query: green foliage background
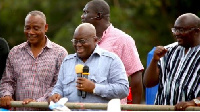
{"x": 147, "y": 21}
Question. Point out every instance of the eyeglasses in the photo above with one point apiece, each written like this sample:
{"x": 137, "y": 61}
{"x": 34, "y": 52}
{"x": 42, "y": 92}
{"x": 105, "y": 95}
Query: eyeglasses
{"x": 82, "y": 41}
{"x": 182, "y": 30}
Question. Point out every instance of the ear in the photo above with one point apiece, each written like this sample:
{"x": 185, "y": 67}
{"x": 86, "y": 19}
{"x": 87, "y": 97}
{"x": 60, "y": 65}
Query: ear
{"x": 197, "y": 31}
{"x": 99, "y": 15}
{"x": 46, "y": 27}
{"x": 96, "y": 39}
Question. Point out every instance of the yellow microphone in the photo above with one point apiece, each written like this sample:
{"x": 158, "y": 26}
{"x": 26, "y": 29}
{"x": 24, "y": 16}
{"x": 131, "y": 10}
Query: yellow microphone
{"x": 79, "y": 71}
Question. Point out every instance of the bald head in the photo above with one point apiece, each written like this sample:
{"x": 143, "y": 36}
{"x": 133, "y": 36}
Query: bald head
{"x": 84, "y": 40}
{"x": 85, "y": 29}
{"x": 188, "y": 20}
{"x": 187, "y": 31}
{"x": 101, "y": 8}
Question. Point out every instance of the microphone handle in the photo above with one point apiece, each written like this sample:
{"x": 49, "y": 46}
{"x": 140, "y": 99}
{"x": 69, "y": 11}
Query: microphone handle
{"x": 83, "y": 92}
{"x": 79, "y": 92}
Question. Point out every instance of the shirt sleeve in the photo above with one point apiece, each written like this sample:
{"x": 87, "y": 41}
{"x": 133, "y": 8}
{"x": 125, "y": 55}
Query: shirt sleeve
{"x": 49, "y": 90}
{"x": 118, "y": 82}
{"x": 129, "y": 55}
{"x": 58, "y": 87}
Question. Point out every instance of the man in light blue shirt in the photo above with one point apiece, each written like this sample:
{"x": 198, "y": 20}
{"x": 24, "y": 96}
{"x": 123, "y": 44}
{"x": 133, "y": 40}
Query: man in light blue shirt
{"x": 107, "y": 76}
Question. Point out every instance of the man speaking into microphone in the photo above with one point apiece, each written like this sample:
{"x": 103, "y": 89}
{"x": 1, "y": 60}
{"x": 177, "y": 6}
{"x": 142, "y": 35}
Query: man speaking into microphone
{"x": 107, "y": 77}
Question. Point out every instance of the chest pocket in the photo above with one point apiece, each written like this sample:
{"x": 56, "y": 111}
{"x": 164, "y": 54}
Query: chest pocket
{"x": 68, "y": 85}
{"x": 99, "y": 80}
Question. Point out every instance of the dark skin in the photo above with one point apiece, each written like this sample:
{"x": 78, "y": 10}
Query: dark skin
{"x": 34, "y": 29}
{"x": 87, "y": 33}
{"x": 187, "y": 39}
{"x": 101, "y": 24}
{"x": 181, "y": 106}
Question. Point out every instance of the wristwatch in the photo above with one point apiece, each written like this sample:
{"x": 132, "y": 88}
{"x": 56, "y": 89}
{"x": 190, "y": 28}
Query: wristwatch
{"x": 197, "y": 102}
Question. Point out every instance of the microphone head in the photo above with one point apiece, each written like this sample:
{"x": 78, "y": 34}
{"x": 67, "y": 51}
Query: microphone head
{"x": 79, "y": 68}
{"x": 85, "y": 69}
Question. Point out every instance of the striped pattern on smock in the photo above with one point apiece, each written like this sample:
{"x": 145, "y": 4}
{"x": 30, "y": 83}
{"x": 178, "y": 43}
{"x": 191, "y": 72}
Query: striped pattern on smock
{"x": 179, "y": 78}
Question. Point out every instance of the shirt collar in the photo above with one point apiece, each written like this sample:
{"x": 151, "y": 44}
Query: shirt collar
{"x": 97, "y": 51}
{"x": 106, "y": 32}
{"x": 48, "y": 43}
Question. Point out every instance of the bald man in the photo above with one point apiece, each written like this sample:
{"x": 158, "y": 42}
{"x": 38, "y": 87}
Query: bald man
{"x": 177, "y": 67}
{"x": 107, "y": 76}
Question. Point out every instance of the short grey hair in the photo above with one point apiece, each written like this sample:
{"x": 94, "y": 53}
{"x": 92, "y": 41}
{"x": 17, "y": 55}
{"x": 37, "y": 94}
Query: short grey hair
{"x": 36, "y": 12}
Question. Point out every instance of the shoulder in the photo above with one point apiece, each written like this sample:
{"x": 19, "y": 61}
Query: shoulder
{"x": 2, "y": 41}
{"x": 19, "y": 47}
{"x": 121, "y": 36}
{"x": 70, "y": 57}
{"x": 108, "y": 54}
{"x": 57, "y": 47}
{"x": 4, "y": 48}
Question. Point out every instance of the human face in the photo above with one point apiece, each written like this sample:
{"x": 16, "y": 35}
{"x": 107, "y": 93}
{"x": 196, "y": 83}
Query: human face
{"x": 88, "y": 15}
{"x": 183, "y": 31}
{"x": 84, "y": 45}
{"x": 35, "y": 29}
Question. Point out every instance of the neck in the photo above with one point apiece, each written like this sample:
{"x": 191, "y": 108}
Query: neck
{"x": 186, "y": 50}
{"x": 39, "y": 45}
{"x": 100, "y": 28}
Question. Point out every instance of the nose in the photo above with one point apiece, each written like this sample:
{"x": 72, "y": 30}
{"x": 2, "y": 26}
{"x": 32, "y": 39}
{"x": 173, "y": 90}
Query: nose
{"x": 31, "y": 31}
{"x": 177, "y": 33}
{"x": 82, "y": 16}
{"x": 78, "y": 44}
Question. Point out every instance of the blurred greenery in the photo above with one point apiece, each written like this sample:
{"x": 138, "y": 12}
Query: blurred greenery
{"x": 147, "y": 21}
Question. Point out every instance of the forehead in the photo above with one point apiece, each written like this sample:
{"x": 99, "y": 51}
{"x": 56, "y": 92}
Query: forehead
{"x": 88, "y": 7}
{"x": 30, "y": 19}
{"x": 185, "y": 22}
{"x": 82, "y": 35}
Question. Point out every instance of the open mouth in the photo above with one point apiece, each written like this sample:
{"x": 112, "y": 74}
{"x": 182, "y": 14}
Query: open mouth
{"x": 79, "y": 50}
{"x": 83, "y": 21}
{"x": 32, "y": 36}
{"x": 179, "y": 40}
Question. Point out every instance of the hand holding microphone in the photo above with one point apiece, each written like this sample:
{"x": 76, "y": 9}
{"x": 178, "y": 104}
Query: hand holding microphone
{"x": 79, "y": 71}
{"x": 83, "y": 83}
{"x": 85, "y": 75}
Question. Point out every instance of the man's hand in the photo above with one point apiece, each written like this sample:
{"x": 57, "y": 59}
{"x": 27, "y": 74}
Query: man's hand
{"x": 5, "y": 102}
{"x": 84, "y": 84}
{"x": 159, "y": 52}
{"x": 181, "y": 106}
{"x": 28, "y": 100}
{"x": 55, "y": 98}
